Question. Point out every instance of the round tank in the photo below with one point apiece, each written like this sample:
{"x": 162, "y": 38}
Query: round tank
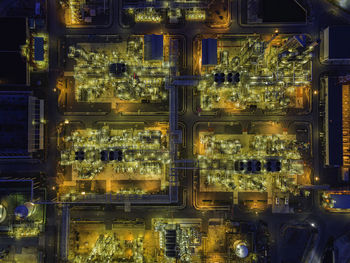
{"x": 25, "y": 210}
{"x": 3, "y": 213}
{"x": 241, "y": 249}
{"x": 21, "y": 211}
{"x": 31, "y": 208}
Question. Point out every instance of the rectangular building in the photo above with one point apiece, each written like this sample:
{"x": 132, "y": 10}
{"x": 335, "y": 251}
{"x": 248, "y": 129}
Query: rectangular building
{"x": 336, "y": 200}
{"x": 335, "y": 45}
{"x": 14, "y": 70}
{"x": 38, "y": 48}
{"x": 209, "y": 51}
{"x": 14, "y": 33}
{"x": 337, "y": 122}
{"x": 153, "y": 47}
{"x": 333, "y": 122}
{"x": 21, "y": 125}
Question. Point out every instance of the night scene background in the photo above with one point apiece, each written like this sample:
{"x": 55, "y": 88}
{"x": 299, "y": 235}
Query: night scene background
{"x": 174, "y": 131}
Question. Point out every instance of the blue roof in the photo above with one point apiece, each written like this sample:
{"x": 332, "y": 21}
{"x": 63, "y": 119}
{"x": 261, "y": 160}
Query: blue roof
{"x": 153, "y": 47}
{"x": 21, "y": 211}
{"x": 342, "y": 201}
{"x": 339, "y": 49}
{"x": 335, "y": 120}
{"x": 209, "y": 51}
{"x": 13, "y": 123}
{"x": 38, "y": 48}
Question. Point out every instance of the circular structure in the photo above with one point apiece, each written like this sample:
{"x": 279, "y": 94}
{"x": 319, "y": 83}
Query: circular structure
{"x": 21, "y": 211}
{"x": 31, "y": 208}
{"x": 3, "y": 213}
{"x": 25, "y": 210}
{"x": 241, "y": 249}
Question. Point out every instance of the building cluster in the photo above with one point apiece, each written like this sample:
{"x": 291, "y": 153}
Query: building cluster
{"x": 133, "y": 72}
{"x": 23, "y": 63}
{"x": 144, "y": 147}
{"x": 172, "y": 12}
{"x": 240, "y": 73}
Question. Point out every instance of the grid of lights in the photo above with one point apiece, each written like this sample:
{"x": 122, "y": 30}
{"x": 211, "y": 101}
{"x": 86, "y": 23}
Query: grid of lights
{"x": 225, "y": 162}
{"x": 272, "y": 77}
{"x": 136, "y": 80}
{"x": 126, "y": 151}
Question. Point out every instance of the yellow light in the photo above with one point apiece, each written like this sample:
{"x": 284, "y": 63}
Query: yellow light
{"x": 315, "y": 92}
{"x": 66, "y": 121}
{"x": 83, "y": 193}
{"x": 276, "y": 30}
{"x": 316, "y": 178}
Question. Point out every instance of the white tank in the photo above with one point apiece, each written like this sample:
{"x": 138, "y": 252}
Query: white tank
{"x": 3, "y": 213}
{"x": 31, "y": 208}
{"x": 241, "y": 249}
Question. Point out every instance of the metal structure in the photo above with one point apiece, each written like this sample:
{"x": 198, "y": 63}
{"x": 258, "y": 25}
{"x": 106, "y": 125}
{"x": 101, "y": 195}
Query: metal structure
{"x": 267, "y": 74}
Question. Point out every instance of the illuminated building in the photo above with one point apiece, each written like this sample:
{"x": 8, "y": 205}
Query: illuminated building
{"x": 336, "y": 201}
{"x": 232, "y": 82}
{"x": 157, "y": 11}
{"x": 336, "y": 123}
{"x": 80, "y": 13}
{"x": 21, "y": 220}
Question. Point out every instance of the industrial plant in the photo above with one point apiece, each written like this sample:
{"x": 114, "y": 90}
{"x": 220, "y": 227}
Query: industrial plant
{"x": 183, "y": 131}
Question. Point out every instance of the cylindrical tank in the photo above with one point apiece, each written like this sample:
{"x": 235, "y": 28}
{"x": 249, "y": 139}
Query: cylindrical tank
{"x": 241, "y": 249}
{"x": 3, "y": 213}
{"x": 25, "y": 210}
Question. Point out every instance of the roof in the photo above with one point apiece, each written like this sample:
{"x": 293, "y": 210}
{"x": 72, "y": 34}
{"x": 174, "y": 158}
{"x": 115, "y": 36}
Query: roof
{"x": 335, "y": 134}
{"x": 13, "y": 69}
{"x": 342, "y": 201}
{"x": 8, "y": 187}
{"x": 286, "y": 11}
{"x": 13, "y": 123}
{"x": 209, "y": 51}
{"x": 13, "y": 33}
{"x": 339, "y": 39}
{"x": 153, "y": 47}
{"x": 38, "y": 48}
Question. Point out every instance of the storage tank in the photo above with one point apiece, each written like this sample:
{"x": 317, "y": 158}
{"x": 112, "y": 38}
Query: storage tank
{"x": 25, "y": 210}
{"x": 241, "y": 249}
{"x": 3, "y": 213}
